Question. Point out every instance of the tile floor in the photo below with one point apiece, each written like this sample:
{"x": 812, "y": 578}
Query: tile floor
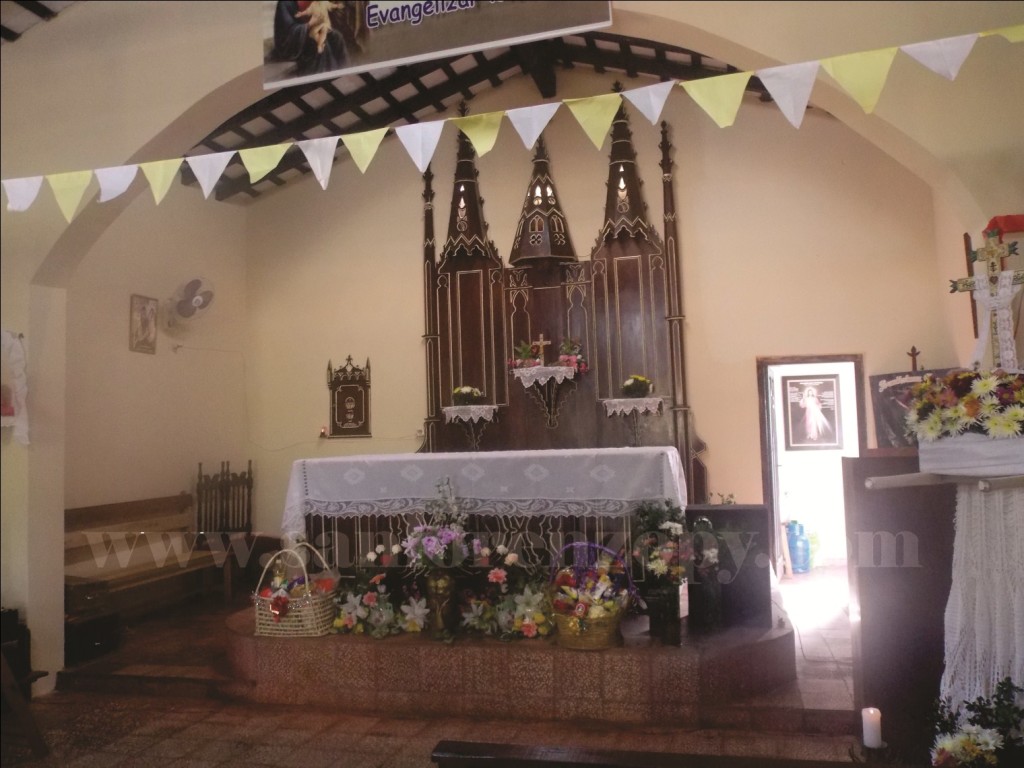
{"x": 114, "y": 717}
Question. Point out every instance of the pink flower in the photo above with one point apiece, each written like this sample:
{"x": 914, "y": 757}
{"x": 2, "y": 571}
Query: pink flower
{"x": 370, "y": 598}
{"x": 529, "y": 629}
{"x": 497, "y": 576}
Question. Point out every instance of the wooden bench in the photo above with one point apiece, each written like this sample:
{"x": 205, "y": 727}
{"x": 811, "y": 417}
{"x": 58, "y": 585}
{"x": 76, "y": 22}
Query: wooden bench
{"x": 471, "y": 754}
{"x": 136, "y": 557}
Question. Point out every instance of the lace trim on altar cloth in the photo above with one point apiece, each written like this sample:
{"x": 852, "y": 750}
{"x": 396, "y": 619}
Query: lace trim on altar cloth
{"x": 491, "y": 507}
{"x": 626, "y": 405}
{"x": 984, "y": 619}
{"x": 542, "y": 374}
{"x": 468, "y": 413}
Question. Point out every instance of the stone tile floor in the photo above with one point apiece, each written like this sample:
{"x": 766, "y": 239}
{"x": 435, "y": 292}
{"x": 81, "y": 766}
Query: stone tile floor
{"x": 116, "y": 719}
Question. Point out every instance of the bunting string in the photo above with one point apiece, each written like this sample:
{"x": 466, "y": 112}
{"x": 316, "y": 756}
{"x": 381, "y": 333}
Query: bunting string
{"x": 861, "y": 75}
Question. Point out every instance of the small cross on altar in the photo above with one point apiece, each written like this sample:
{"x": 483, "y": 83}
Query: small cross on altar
{"x": 540, "y": 344}
{"x": 912, "y": 354}
{"x": 994, "y": 296}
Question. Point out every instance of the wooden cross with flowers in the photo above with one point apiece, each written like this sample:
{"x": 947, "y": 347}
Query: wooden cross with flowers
{"x": 994, "y": 288}
{"x": 542, "y": 342}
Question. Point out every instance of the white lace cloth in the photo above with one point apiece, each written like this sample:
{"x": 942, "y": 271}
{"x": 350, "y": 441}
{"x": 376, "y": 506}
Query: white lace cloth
{"x": 468, "y": 413}
{"x": 591, "y": 482}
{"x": 999, "y": 302}
{"x": 542, "y": 374}
{"x": 985, "y": 613}
{"x": 627, "y": 405}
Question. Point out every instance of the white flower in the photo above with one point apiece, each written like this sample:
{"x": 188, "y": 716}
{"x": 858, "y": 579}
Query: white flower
{"x": 674, "y": 529}
{"x": 371, "y": 557}
{"x": 710, "y": 556}
{"x": 396, "y": 549}
{"x": 658, "y": 566}
{"x": 528, "y": 603}
{"x": 627, "y": 382}
{"x": 416, "y": 612}
{"x": 485, "y": 552}
{"x": 353, "y": 606}
{"x": 379, "y": 549}
{"x": 511, "y": 558}
{"x": 501, "y": 549}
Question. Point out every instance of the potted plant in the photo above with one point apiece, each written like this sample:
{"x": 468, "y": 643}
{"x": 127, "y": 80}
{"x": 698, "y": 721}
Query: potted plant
{"x": 637, "y": 386}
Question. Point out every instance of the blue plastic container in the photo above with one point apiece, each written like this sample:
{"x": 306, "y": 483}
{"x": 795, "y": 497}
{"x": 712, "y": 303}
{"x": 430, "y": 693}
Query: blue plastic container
{"x": 799, "y": 547}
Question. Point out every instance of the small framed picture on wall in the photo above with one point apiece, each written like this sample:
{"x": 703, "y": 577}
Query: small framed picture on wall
{"x": 142, "y": 325}
{"x": 812, "y": 412}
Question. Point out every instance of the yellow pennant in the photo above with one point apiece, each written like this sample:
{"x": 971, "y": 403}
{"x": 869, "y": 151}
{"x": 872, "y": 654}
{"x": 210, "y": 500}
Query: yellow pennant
{"x": 481, "y": 130}
{"x": 595, "y": 114}
{"x": 68, "y": 189}
{"x": 363, "y": 146}
{"x": 160, "y": 174}
{"x": 1013, "y": 34}
{"x": 719, "y": 96}
{"x": 862, "y": 75}
{"x": 259, "y": 161}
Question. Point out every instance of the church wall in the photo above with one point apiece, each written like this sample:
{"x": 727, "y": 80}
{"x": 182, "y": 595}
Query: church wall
{"x": 138, "y": 424}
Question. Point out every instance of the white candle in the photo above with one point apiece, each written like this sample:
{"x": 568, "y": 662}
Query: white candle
{"x": 872, "y": 727}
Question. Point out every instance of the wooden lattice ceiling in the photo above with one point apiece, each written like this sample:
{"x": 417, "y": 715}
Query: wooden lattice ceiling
{"x": 420, "y": 91}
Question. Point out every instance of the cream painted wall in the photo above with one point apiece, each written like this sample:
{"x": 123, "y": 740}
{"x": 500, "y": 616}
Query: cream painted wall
{"x": 137, "y": 424}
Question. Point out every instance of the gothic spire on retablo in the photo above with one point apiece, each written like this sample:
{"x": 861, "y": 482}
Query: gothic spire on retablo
{"x": 625, "y": 212}
{"x": 467, "y": 228}
{"x": 543, "y": 231}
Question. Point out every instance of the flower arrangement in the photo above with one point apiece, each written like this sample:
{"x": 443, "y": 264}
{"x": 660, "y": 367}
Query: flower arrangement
{"x": 962, "y": 402}
{"x": 988, "y": 734}
{"x": 526, "y": 355}
{"x": 597, "y": 588}
{"x": 570, "y": 355}
{"x": 441, "y": 540}
{"x": 513, "y": 603}
{"x": 637, "y": 386}
{"x": 367, "y": 610}
{"x": 659, "y": 545}
{"x": 466, "y": 396}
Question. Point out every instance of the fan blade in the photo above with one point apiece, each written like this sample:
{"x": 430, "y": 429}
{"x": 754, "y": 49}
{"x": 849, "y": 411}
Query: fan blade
{"x": 184, "y": 308}
{"x": 207, "y": 298}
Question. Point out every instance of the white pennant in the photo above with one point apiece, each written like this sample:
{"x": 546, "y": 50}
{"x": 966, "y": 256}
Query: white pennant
{"x": 650, "y": 99}
{"x": 943, "y": 57}
{"x": 209, "y": 168}
{"x": 790, "y": 87}
{"x": 320, "y": 156}
{"x": 530, "y": 122}
{"x": 420, "y": 141}
{"x": 114, "y": 181}
{"x": 21, "y": 193}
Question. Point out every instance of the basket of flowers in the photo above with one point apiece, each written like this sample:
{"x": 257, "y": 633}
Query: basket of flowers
{"x": 637, "y": 386}
{"x": 467, "y": 396}
{"x": 589, "y": 596}
{"x": 295, "y": 604}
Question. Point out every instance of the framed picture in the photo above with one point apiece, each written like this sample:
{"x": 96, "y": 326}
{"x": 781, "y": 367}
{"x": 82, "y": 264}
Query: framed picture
{"x": 812, "y": 412}
{"x": 890, "y": 397}
{"x": 142, "y": 325}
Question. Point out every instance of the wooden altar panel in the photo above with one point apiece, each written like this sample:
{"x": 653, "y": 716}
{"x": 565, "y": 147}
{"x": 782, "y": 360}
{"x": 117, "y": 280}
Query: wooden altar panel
{"x": 900, "y": 563}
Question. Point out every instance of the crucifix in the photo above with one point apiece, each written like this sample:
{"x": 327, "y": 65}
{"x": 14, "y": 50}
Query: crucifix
{"x": 540, "y": 344}
{"x": 912, "y": 354}
{"x": 993, "y": 296}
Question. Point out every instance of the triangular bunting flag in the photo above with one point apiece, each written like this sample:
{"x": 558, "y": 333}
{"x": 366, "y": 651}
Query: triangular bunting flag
{"x": 595, "y": 114}
{"x": 943, "y": 57}
{"x": 530, "y": 122}
{"x": 68, "y": 188}
{"x": 862, "y": 75}
{"x": 790, "y": 88}
{"x": 320, "y": 156}
{"x": 209, "y": 168}
{"x": 114, "y": 181}
{"x": 719, "y": 96}
{"x": 160, "y": 174}
{"x": 1014, "y": 34}
{"x": 650, "y": 100}
{"x": 420, "y": 141}
{"x": 259, "y": 161}
{"x": 481, "y": 130}
{"x": 21, "y": 193}
{"x": 363, "y": 146}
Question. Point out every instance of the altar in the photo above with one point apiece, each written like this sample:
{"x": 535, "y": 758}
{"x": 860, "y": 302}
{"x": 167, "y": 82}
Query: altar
{"x": 593, "y": 483}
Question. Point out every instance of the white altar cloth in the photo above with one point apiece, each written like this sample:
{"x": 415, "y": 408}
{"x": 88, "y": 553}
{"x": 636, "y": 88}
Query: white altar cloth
{"x": 591, "y": 482}
{"x": 984, "y": 618}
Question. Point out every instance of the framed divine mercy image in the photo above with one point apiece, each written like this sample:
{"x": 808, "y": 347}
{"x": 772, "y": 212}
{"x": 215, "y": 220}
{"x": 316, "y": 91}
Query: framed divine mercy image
{"x": 812, "y": 412}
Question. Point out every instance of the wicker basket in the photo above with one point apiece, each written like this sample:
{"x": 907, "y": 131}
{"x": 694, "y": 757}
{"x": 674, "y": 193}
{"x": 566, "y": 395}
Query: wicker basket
{"x": 309, "y": 615}
{"x": 588, "y": 634}
{"x": 581, "y": 633}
